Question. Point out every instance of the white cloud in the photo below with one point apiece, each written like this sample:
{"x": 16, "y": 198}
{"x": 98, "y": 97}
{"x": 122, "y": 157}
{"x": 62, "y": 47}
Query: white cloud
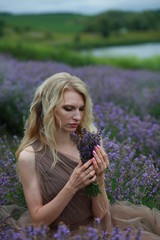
{"x": 82, "y": 6}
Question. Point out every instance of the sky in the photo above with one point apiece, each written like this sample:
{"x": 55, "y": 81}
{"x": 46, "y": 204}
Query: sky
{"x": 76, "y": 6}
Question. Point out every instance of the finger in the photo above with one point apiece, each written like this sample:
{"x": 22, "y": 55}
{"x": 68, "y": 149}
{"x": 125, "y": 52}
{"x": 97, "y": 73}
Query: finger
{"x": 104, "y": 155}
{"x": 95, "y": 165}
{"x": 101, "y": 155}
{"x": 97, "y": 158}
{"x": 98, "y": 152}
{"x": 77, "y": 169}
{"x": 90, "y": 168}
{"x": 88, "y": 176}
{"x": 102, "y": 151}
{"x": 86, "y": 165}
{"x": 79, "y": 165}
{"x": 101, "y": 164}
{"x": 91, "y": 174}
{"x": 107, "y": 164}
{"x": 93, "y": 179}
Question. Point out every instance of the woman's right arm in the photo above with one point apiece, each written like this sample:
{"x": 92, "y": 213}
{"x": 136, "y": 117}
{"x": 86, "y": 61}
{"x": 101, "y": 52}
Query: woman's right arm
{"x": 48, "y": 213}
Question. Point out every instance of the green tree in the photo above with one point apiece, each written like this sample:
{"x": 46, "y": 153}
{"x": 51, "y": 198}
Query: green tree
{"x": 2, "y": 26}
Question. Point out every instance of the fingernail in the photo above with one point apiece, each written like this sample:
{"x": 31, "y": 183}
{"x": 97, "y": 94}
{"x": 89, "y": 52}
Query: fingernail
{"x": 93, "y": 159}
{"x": 94, "y": 152}
{"x": 98, "y": 146}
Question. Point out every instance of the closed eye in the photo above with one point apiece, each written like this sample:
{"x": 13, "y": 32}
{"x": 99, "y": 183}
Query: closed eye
{"x": 70, "y": 108}
{"x": 81, "y": 109}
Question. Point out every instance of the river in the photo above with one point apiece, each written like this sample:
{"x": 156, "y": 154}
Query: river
{"x": 141, "y": 51}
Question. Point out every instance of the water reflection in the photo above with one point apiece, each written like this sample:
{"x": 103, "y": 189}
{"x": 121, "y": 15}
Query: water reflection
{"x": 140, "y": 51}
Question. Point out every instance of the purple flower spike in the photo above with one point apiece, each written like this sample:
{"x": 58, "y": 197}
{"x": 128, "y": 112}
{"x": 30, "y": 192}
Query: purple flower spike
{"x": 86, "y": 143}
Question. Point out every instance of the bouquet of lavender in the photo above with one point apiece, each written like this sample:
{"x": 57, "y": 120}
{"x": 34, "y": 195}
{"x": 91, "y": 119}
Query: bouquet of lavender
{"x": 86, "y": 143}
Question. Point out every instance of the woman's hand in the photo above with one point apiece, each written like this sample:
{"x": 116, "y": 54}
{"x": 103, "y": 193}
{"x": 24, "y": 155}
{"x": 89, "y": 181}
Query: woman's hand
{"x": 100, "y": 161}
{"x": 82, "y": 176}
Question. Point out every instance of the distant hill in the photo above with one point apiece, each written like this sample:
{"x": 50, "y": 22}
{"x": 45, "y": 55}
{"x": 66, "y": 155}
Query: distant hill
{"x": 59, "y": 22}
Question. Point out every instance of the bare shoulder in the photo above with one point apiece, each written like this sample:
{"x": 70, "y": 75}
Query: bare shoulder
{"x": 27, "y": 157}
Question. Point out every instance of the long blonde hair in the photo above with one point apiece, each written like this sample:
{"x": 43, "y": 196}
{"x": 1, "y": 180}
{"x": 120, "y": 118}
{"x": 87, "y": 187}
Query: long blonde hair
{"x": 41, "y": 121}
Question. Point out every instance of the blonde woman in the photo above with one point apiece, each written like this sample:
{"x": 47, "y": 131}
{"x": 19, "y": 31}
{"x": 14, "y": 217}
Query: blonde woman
{"x": 52, "y": 175}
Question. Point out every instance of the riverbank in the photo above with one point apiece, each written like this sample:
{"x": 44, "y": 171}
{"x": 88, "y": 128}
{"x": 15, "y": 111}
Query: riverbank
{"x": 75, "y": 58}
{"x": 90, "y": 41}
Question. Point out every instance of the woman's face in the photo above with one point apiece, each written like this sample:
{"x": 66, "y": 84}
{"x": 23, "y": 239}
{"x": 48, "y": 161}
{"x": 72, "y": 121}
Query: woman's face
{"x": 71, "y": 112}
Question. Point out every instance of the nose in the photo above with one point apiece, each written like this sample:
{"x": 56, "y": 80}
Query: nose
{"x": 77, "y": 115}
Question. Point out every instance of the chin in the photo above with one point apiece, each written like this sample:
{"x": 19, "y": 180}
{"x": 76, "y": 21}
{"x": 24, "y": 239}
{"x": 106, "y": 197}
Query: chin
{"x": 73, "y": 130}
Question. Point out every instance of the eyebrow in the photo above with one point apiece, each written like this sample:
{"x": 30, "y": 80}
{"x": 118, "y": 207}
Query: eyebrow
{"x": 69, "y": 105}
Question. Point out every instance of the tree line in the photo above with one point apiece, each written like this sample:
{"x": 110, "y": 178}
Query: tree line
{"x": 119, "y": 21}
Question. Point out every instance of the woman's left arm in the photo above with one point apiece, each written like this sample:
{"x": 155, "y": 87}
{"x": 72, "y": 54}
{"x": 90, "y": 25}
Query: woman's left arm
{"x": 100, "y": 164}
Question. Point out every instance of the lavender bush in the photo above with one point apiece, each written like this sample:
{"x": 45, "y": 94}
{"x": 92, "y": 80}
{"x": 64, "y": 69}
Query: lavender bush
{"x": 131, "y": 177}
{"x": 136, "y": 92}
{"x": 144, "y": 134}
{"x": 63, "y": 233}
{"x": 10, "y": 186}
{"x": 126, "y": 106}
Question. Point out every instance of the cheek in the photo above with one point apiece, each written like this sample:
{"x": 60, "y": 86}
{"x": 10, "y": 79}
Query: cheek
{"x": 66, "y": 116}
{"x": 61, "y": 115}
{"x": 82, "y": 115}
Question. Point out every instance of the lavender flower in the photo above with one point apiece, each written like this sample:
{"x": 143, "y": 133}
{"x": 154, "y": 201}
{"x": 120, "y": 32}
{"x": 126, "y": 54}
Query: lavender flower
{"x": 62, "y": 233}
{"x": 86, "y": 143}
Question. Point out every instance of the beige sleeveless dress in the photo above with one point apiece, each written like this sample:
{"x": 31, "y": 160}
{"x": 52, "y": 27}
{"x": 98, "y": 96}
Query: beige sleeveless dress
{"x": 79, "y": 210}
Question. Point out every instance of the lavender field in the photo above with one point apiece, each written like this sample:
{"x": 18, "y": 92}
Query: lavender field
{"x": 126, "y": 105}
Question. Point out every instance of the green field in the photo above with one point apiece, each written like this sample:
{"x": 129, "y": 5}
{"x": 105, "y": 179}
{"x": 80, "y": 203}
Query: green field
{"x": 60, "y": 23}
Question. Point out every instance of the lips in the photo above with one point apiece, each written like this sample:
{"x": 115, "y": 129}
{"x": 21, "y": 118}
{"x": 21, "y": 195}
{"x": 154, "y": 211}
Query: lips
{"x": 73, "y": 125}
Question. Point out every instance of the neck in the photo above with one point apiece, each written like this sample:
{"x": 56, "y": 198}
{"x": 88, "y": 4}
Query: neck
{"x": 63, "y": 139}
